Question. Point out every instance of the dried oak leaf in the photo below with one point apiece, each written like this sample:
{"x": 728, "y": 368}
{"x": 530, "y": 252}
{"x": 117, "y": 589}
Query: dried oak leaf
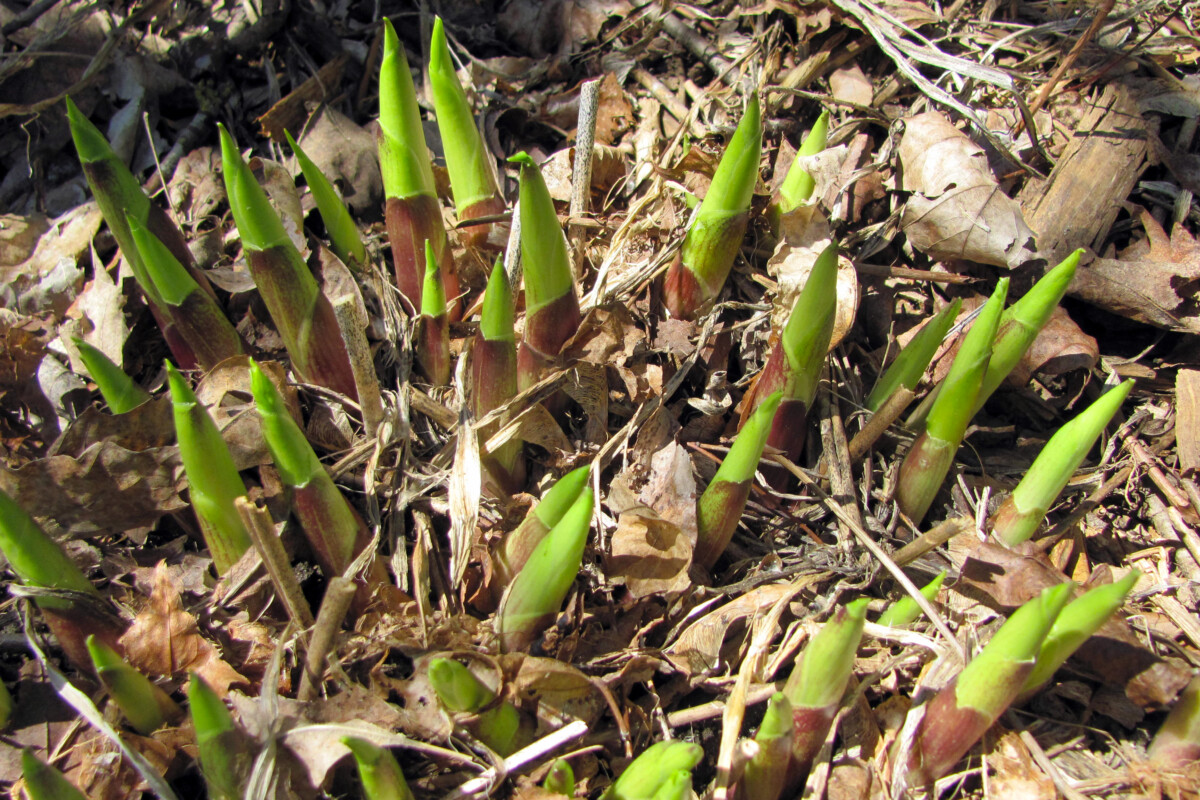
{"x": 957, "y": 210}
{"x": 23, "y": 343}
{"x": 165, "y": 639}
{"x": 1153, "y": 280}
{"x": 804, "y": 233}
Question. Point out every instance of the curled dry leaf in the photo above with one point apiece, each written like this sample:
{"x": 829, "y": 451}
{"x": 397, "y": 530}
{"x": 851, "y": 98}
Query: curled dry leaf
{"x": 49, "y": 279}
{"x": 1153, "y": 280}
{"x": 348, "y": 156}
{"x": 698, "y": 649}
{"x": 556, "y": 685}
{"x": 102, "y": 320}
{"x": 164, "y": 639}
{"x": 1060, "y": 347}
{"x": 649, "y": 555}
{"x": 957, "y": 210}
{"x": 804, "y": 233}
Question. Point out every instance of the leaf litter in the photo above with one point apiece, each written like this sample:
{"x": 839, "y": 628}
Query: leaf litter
{"x": 645, "y": 637}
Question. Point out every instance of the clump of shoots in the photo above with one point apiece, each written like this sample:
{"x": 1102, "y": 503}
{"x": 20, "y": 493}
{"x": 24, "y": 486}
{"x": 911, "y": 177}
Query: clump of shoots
{"x": 913, "y": 360}
{"x": 194, "y": 312}
{"x": 343, "y": 233}
{"x": 537, "y": 593}
{"x": 377, "y": 769}
{"x": 798, "y": 184}
{"x": 44, "y": 782}
{"x": 499, "y": 726}
{"x": 75, "y": 609}
{"x": 303, "y": 315}
{"x": 1018, "y": 519}
{"x": 218, "y": 740}
{"x": 1075, "y": 625}
{"x": 335, "y": 532}
{"x": 766, "y": 772}
{"x": 1177, "y": 744}
{"x": 715, "y": 235}
{"x": 433, "y": 326}
{"x": 925, "y": 467}
{"x": 494, "y": 378}
{"x": 145, "y": 706}
{"x": 964, "y": 709}
{"x": 1021, "y": 323}
{"x": 905, "y": 611}
{"x": 794, "y": 366}
{"x": 817, "y": 683}
{"x": 213, "y": 480}
{"x": 660, "y": 765}
{"x": 118, "y": 194}
{"x": 518, "y": 546}
{"x": 412, "y": 213}
{"x": 116, "y": 387}
{"x": 551, "y": 306}
{"x": 720, "y": 507}
{"x": 560, "y": 779}
{"x": 472, "y": 171}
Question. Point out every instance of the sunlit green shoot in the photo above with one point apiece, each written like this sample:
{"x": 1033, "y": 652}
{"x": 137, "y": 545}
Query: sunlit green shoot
{"x": 913, "y": 360}
{"x": 494, "y": 378}
{"x": 715, "y": 235}
{"x": 36, "y": 559}
{"x": 377, "y": 769}
{"x": 1177, "y": 743}
{"x": 519, "y": 544}
{"x": 962, "y": 711}
{"x": 798, "y": 185}
{"x": 460, "y": 691}
{"x": 766, "y": 773}
{"x": 905, "y": 610}
{"x": 1025, "y": 509}
{"x": 117, "y": 388}
{"x": 44, "y": 782}
{"x": 433, "y": 332}
{"x": 216, "y": 740}
{"x": 403, "y": 156}
{"x": 925, "y": 467}
{"x": 1021, "y": 323}
{"x": 213, "y": 480}
{"x": 1075, "y": 625}
{"x": 145, "y": 706}
{"x": 677, "y": 786}
{"x": 560, "y": 779}
{"x": 343, "y": 233}
{"x": 537, "y": 592}
{"x": 720, "y": 507}
{"x": 655, "y": 767}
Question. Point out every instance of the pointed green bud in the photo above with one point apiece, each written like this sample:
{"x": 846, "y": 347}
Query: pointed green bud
{"x": 497, "y": 318}
{"x": 560, "y": 779}
{"x": 905, "y": 610}
{"x": 677, "y": 786}
{"x": 561, "y": 496}
{"x": 1022, "y": 513}
{"x": 433, "y": 296}
{"x": 35, "y": 558}
{"x": 1177, "y": 744}
{"x": 145, "y": 706}
{"x": 117, "y": 190}
{"x": 549, "y": 511}
{"x": 766, "y": 773}
{"x": 798, "y": 185}
{"x": 170, "y": 279}
{"x": 656, "y": 766}
{"x": 538, "y": 591}
{"x": 819, "y": 679}
{"x": 215, "y": 737}
{"x": 720, "y": 507}
{"x": 343, "y": 233}
{"x": 117, "y": 388}
{"x": 910, "y": 365}
{"x": 403, "y": 156}
{"x": 543, "y": 246}
{"x": 1021, "y": 323}
{"x": 377, "y": 769}
{"x": 472, "y": 178}
{"x": 1075, "y": 625}
{"x": 294, "y": 457}
{"x": 733, "y": 183}
{"x": 805, "y": 339}
{"x": 44, "y": 782}
{"x": 257, "y": 221}
{"x": 213, "y": 479}
{"x": 457, "y": 687}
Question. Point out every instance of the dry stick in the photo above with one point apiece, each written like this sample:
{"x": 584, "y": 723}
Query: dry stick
{"x": 878, "y": 552}
{"x": 1044, "y": 95}
{"x": 879, "y": 422}
{"x": 833, "y": 438}
{"x": 353, "y": 329}
{"x": 674, "y": 106}
{"x": 270, "y": 548}
{"x": 1052, "y": 772}
{"x": 699, "y": 46}
{"x": 334, "y": 607}
{"x": 538, "y": 750}
{"x": 934, "y": 537}
{"x": 1046, "y": 543}
{"x": 1172, "y": 493}
{"x": 585, "y": 141}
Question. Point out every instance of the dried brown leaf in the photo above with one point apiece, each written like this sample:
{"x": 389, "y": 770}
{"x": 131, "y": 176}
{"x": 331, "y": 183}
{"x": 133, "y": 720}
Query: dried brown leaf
{"x": 698, "y": 649}
{"x": 957, "y": 210}
{"x": 804, "y": 233}
{"x": 1060, "y": 347}
{"x": 649, "y": 555}
{"x": 1187, "y": 420}
{"x": 347, "y": 155}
